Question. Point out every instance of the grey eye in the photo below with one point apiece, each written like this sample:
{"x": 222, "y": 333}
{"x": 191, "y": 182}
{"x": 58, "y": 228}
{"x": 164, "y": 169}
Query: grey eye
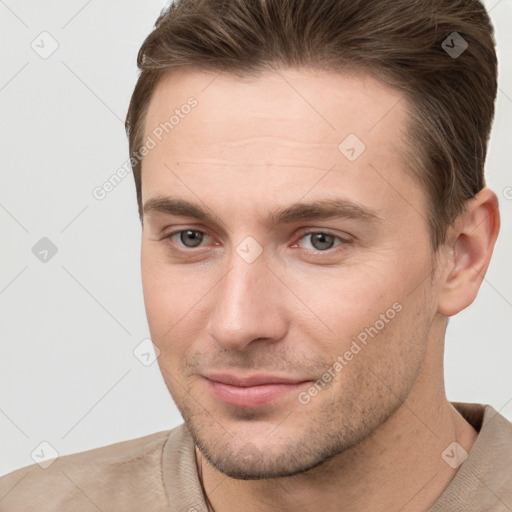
{"x": 322, "y": 241}
{"x": 191, "y": 238}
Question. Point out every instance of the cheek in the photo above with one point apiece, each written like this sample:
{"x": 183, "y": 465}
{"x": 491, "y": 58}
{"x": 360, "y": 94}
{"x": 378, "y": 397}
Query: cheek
{"x": 164, "y": 295}
{"x": 364, "y": 312}
{"x": 377, "y": 367}
{"x": 175, "y": 298}
{"x": 346, "y": 299}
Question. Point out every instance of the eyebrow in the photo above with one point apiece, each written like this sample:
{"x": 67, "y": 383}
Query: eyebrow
{"x": 315, "y": 210}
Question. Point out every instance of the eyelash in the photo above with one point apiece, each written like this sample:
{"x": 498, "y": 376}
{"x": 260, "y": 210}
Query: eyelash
{"x": 342, "y": 241}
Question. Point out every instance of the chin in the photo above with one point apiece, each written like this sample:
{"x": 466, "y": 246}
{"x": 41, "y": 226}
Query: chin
{"x": 259, "y": 453}
{"x": 248, "y": 463}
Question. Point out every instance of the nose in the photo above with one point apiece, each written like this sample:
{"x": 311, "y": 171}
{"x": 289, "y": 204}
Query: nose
{"x": 248, "y": 306}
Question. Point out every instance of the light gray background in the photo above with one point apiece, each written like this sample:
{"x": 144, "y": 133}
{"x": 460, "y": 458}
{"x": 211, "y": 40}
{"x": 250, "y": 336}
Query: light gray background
{"x": 68, "y": 375}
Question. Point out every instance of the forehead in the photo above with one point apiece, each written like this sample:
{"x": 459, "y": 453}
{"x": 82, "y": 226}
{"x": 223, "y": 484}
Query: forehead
{"x": 321, "y": 106}
{"x": 278, "y": 132}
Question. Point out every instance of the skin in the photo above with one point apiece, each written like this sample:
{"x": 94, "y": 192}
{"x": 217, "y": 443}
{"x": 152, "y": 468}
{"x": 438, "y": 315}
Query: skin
{"x": 372, "y": 437}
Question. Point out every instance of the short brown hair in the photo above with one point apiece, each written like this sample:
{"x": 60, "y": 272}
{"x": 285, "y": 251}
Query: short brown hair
{"x": 450, "y": 97}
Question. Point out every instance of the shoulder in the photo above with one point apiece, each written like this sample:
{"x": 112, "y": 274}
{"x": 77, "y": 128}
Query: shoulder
{"x": 120, "y": 473}
{"x": 484, "y": 480}
{"x": 493, "y": 457}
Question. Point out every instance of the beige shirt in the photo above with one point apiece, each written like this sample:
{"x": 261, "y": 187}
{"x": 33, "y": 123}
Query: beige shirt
{"x": 158, "y": 473}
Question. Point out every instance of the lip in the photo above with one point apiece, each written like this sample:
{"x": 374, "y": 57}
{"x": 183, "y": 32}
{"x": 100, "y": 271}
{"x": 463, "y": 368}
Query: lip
{"x": 253, "y": 390}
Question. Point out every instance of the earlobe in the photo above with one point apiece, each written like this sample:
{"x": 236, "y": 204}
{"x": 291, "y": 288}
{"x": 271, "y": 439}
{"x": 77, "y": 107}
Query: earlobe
{"x": 472, "y": 242}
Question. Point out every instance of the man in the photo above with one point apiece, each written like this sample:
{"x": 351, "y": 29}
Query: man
{"x": 310, "y": 184}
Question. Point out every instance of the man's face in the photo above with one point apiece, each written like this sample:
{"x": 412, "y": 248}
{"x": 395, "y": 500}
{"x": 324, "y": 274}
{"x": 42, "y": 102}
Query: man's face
{"x": 286, "y": 336}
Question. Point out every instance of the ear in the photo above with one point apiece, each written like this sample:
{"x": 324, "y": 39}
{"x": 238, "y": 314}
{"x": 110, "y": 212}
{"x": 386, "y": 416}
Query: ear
{"x": 470, "y": 246}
